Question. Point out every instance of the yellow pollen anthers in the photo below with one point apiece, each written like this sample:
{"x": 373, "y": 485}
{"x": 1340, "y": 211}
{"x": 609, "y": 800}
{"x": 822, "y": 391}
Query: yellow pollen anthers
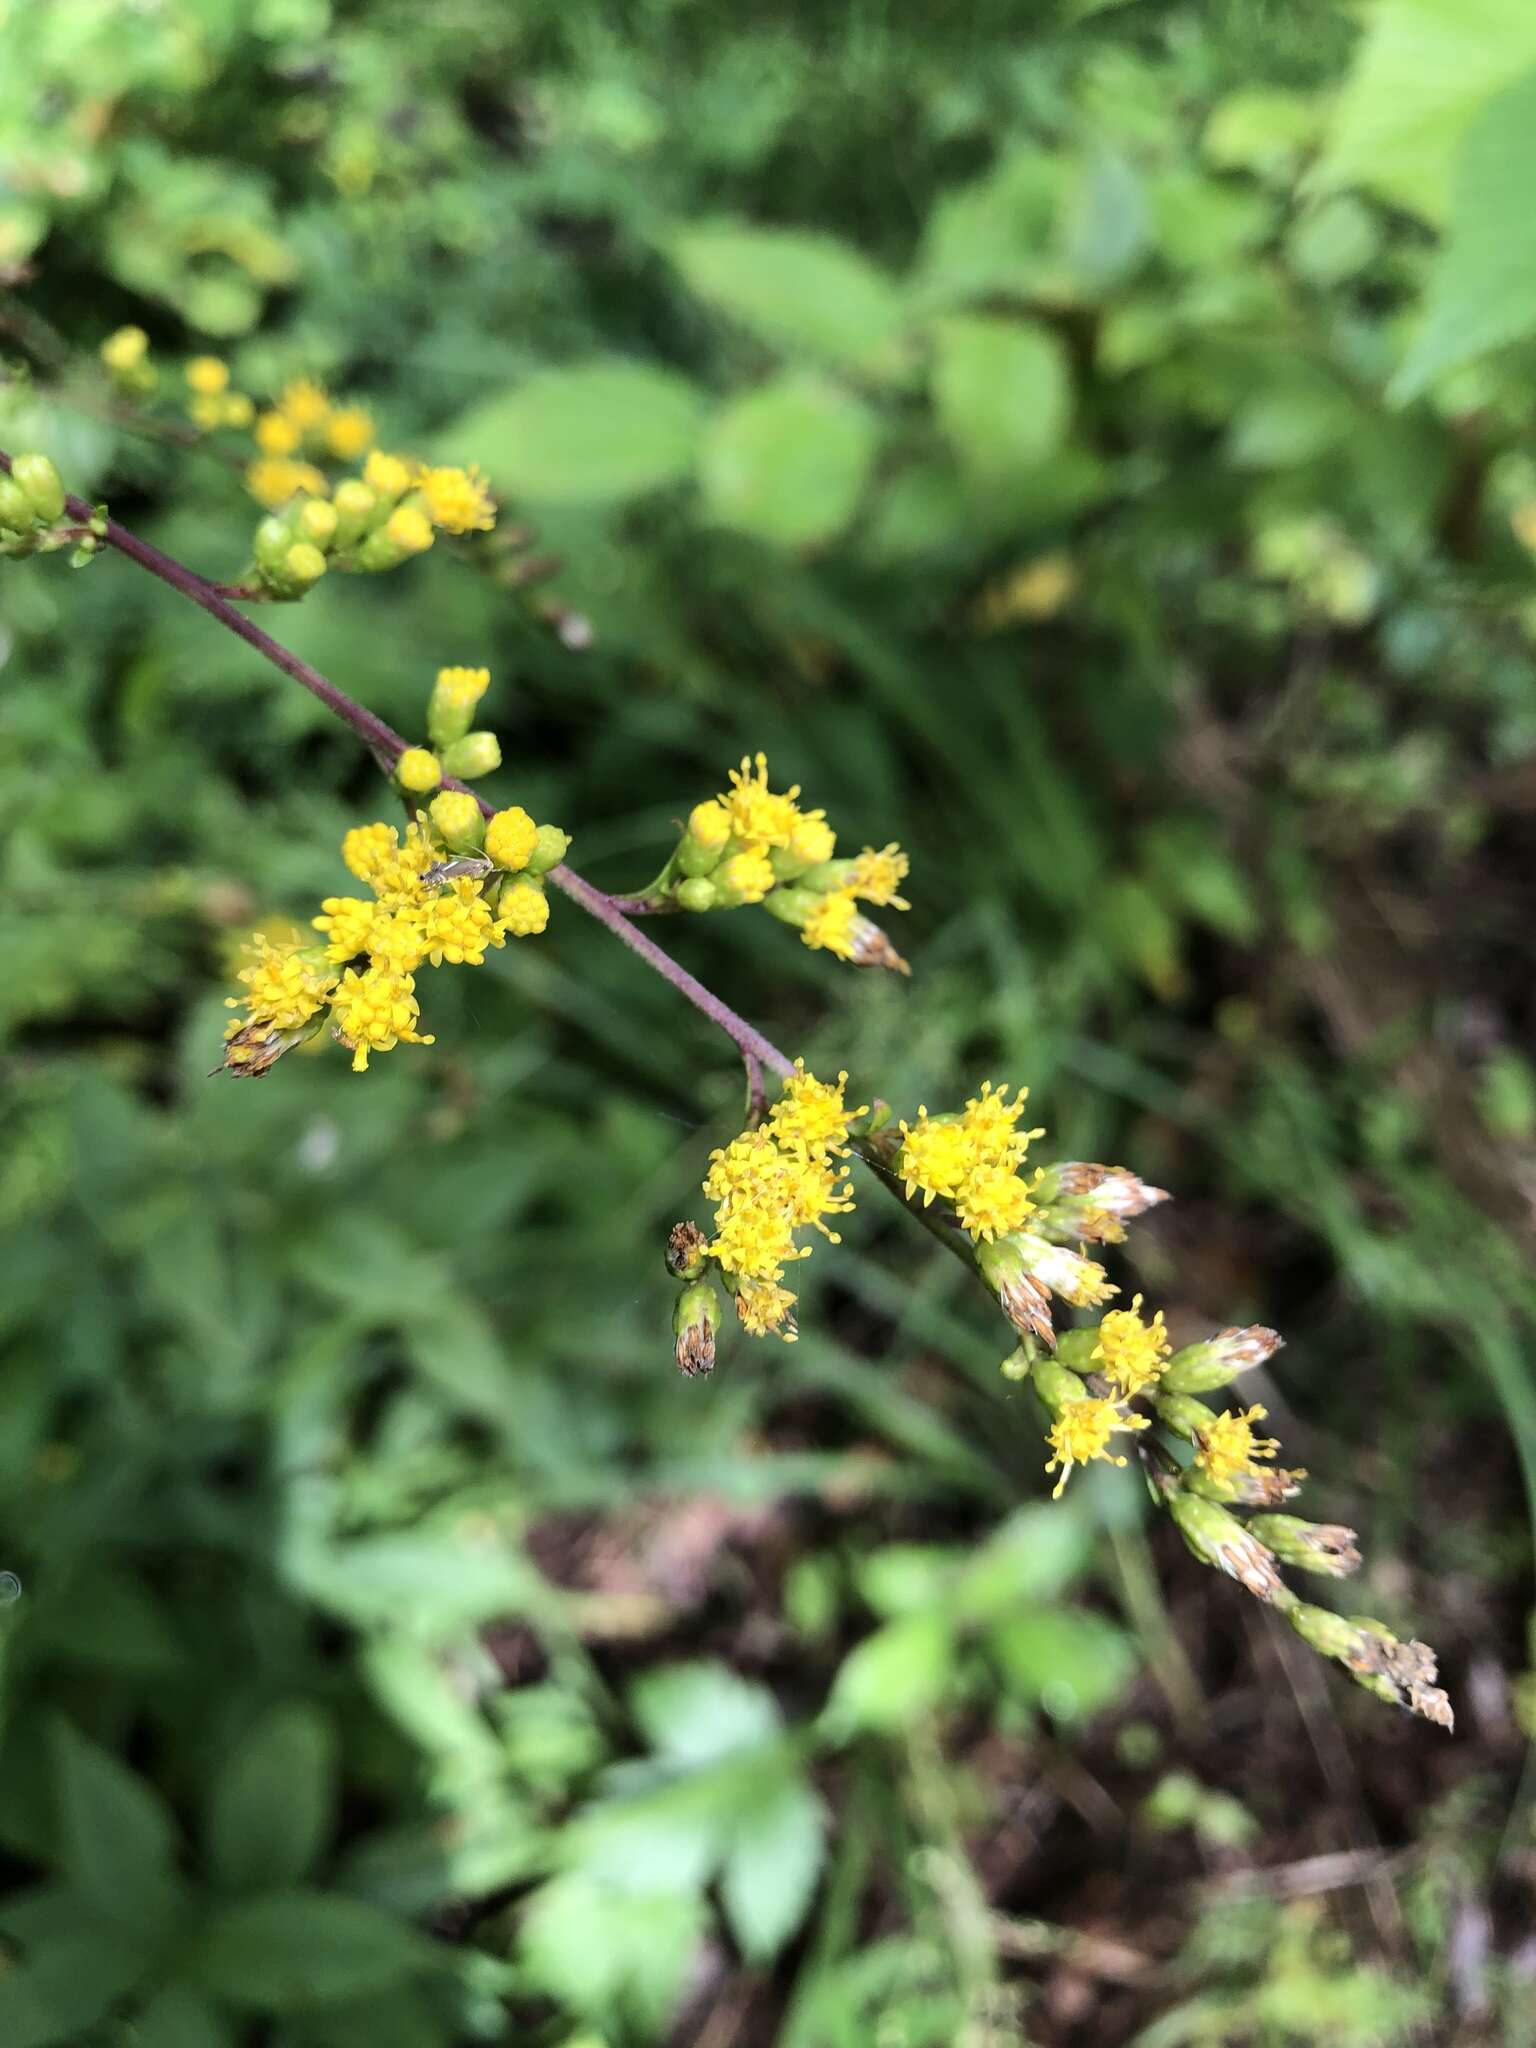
{"x": 392, "y": 871}
{"x": 510, "y": 838}
{"x": 878, "y": 876}
{"x": 463, "y": 687}
{"x": 458, "y": 500}
{"x": 284, "y": 988}
{"x": 760, "y": 819}
{"x": 1083, "y": 1431}
{"x": 1131, "y": 1352}
{"x": 347, "y": 923}
{"x": 459, "y": 925}
{"x": 832, "y": 924}
{"x": 770, "y": 1182}
{"x": 972, "y": 1160}
{"x": 375, "y": 1012}
{"x": 1228, "y": 1447}
{"x": 810, "y": 1115}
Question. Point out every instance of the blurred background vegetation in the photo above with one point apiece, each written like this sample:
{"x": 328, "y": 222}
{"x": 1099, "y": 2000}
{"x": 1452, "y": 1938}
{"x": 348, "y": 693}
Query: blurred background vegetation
{"x": 1091, "y": 442}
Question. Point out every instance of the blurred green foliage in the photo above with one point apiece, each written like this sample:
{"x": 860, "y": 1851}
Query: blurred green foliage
{"x": 1093, "y": 446}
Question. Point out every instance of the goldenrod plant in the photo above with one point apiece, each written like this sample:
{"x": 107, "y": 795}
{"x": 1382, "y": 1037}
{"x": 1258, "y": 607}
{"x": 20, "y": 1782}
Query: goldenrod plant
{"x": 463, "y": 875}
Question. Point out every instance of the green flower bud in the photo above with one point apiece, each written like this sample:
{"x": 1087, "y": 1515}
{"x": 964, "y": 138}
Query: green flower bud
{"x": 315, "y": 521}
{"x": 377, "y": 552}
{"x": 355, "y": 506}
{"x": 1219, "y": 1538}
{"x": 303, "y": 564}
{"x": 271, "y": 544}
{"x": 42, "y": 486}
{"x": 549, "y": 849}
{"x": 1185, "y": 1417}
{"x": 459, "y": 821}
{"x": 1076, "y": 1348}
{"x": 1202, "y": 1368}
{"x": 698, "y": 894}
{"x": 1324, "y": 1631}
{"x": 478, "y": 753}
{"x": 16, "y": 510}
{"x": 1311, "y": 1546}
{"x": 1015, "y": 1366}
{"x": 1056, "y": 1384}
{"x": 694, "y": 1323}
{"x": 694, "y": 859}
{"x": 791, "y": 906}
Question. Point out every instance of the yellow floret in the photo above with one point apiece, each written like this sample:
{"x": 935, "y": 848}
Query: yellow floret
{"x": 284, "y": 989}
{"x": 1228, "y": 1446}
{"x": 304, "y": 404}
{"x": 409, "y": 529}
{"x": 456, "y": 815}
{"x": 877, "y": 877}
{"x": 1082, "y": 1432}
{"x": 207, "y": 376}
{"x": 748, "y": 876}
{"x": 419, "y": 770}
{"x": 389, "y": 475}
{"x": 710, "y": 825}
{"x": 812, "y": 839}
{"x": 463, "y": 687}
{"x": 347, "y": 922}
{"x": 760, "y": 819}
{"x": 524, "y": 909}
{"x": 374, "y": 1012}
{"x": 348, "y": 432}
{"x": 276, "y": 435}
{"x": 832, "y": 924}
{"x": 458, "y": 500}
{"x": 1132, "y": 1353}
{"x": 810, "y": 1115}
{"x": 459, "y": 926}
{"x": 510, "y": 838}
{"x": 125, "y": 349}
{"x": 272, "y": 480}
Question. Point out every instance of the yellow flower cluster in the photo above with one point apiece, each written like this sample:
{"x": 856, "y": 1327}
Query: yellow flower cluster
{"x": 210, "y": 400}
{"x": 305, "y": 420}
{"x": 1227, "y": 1448}
{"x": 770, "y": 1182}
{"x": 1082, "y": 1431}
{"x": 755, "y": 844}
{"x": 972, "y": 1160}
{"x": 1130, "y": 1352}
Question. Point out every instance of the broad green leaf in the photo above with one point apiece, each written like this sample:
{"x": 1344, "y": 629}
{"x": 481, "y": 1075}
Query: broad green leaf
{"x": 616, "y": 1956}
{"x": 68, "y": 1983}
{"x": 698, "y": 1713}
{"x": 787, "y": 462}
{"x": 803, "y": 292}
{"x": 895, "y": 1676}
{"x": 775, "y": 1857}
{"x": 1423, "y": 73}
{"x": 596, "y": 433}
{"x": 1001, "y": 391}
{"x": 181, "y": 2018}
{"x": 1482, "y": 290}
{"x": 271, "y": 1805}
{"x": 1067, "y": 1662}
{"x": 116, "y": 1837}
{"x": 291, "y": 1949}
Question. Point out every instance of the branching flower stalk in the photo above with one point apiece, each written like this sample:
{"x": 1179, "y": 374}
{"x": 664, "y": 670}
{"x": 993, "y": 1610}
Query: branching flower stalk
{"x": 466, "y": 875}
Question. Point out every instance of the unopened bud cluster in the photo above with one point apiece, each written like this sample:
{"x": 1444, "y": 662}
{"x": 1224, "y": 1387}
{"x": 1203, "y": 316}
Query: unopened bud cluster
{"x": 756, "y": 845}
{"x": 453, "y": 887}
{"x": 33, "y": 517}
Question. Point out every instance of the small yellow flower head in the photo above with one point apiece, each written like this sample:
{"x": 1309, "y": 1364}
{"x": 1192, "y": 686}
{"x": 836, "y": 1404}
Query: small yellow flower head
{"x": 206, "y": 413}
{"x": 710, "y": 825}
{"x": 766, "y": 1310}
{"x": 126, "y": 349}
{"x": 759, "y": 818}
{"x": 992, "y": 1202}
{"x": 390, "y": 476}
{"x": 284, "y": 989}
{"x": 375, "y": 1012}
{"x": 347, "y": 922}
{"x": 317, "y": 522}
{"x": 410, "y": 529}
{"x": 459, "y": 926}
{"x": 273, "y": 480}
{"x": 463, "y": 687}
{"x": 1082, "y": 1432}
{"x": 419, "y": 771}
{"x": 208, "y": 376}
{"x": 747, "y": 876}
{"x": 878, "y": 876}
{"x": 355, "y": 503}
{"x": 348, "y": 431}
{"x": 276, "y": 434}
{"x": 237, "y": 410}
{"x": 810, "y": 1116}
{"x": 1132, "y": 1353}
{"x": 510, "y": 837}
{"x": 399, "y": 940}
{"x": 832, "y": 924}
{"x": 972, "y": 1160}
{"x": 457, "y": 818}
{"x": 304, "y": 404}
{"x": 811, "y": 839}
{"x": 458, "y": 500}
{"x": 524, "y": 909}
{"x": 392, "y": 871}
{"x": 1228, "y": 1447}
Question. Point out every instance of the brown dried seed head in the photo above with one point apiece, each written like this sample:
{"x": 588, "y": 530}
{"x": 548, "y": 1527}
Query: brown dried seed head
{"x": 685, "y": 1251}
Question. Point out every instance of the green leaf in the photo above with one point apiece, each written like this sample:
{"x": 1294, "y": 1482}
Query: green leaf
{"x": 804, "y": 292}
{"x": 775, "y": 1857}
{"x": 788, "y": 461}
{"x": 180, "y": 2018}
{"x": 1482, "y": 290}
{"x": 1423, "y": 73}
{"x": 697, "y": 1713}
{"x": 66, "y": 1985}
{"x": 616, "y": 1956}
{"x": 597, "y": 433}
{"x": 894, "y": 1677}
{"x": 1001, "y": 391}
{"x": 116, "y": 1838}
{"x": 271, "y": 1805}
{"x": 1070, "y": 1663}
{"x": 292, "y": 1949}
